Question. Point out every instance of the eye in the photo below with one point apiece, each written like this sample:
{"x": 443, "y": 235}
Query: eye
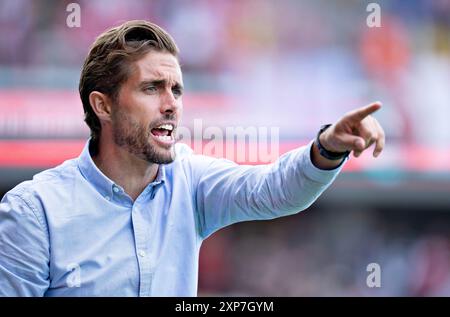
{"x": 151, "y": 89}
{"x": 177, "y": 92}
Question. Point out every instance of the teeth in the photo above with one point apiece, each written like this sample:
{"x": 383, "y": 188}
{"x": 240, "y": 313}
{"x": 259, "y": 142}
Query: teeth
{"x": 164, "y": 137}
{"x": 166, "y": 127}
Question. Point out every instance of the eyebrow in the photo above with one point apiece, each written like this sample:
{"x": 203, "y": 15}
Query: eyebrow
{"x": 159, "y": 83}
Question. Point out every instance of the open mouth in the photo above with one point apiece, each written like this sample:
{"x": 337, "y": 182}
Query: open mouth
{"x": 164, "y": 133}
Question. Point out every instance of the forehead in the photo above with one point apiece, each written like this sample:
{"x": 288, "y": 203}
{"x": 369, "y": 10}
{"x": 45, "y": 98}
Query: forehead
{"x": 157, "y": 65}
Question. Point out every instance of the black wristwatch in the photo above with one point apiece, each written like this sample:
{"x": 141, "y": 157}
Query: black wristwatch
{"x": 324, "y": 152}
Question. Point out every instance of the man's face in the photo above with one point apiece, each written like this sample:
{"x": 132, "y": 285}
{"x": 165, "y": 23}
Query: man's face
{"x": 149, "y": 108}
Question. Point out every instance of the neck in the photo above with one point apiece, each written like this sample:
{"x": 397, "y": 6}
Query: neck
{"x": 123, "y": 168}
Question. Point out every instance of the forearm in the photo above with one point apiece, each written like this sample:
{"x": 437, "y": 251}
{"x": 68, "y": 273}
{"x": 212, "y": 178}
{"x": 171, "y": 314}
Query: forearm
{"x": 296, "y": 181}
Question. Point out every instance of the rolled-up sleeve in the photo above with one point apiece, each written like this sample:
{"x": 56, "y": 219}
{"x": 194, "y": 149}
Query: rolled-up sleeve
{"x": 227, "y": 193}
{"x": 24, "y": 249}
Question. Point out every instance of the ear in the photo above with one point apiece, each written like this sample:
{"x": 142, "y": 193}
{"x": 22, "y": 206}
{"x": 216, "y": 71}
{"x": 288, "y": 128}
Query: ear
{"x": 101, "y": 105}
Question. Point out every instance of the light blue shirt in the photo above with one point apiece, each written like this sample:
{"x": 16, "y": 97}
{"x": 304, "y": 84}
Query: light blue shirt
{"x": 71, "y": 231}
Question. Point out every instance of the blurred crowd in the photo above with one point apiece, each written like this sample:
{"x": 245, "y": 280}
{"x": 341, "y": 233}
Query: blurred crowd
{"x": 326, "y": 252}
{"x": 314, "y": 59}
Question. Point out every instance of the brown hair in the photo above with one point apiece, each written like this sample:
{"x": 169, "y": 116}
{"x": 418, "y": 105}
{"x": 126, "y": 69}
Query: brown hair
{"x": 107, "y": 65}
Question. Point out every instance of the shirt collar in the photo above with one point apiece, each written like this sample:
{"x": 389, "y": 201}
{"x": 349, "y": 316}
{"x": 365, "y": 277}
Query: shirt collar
{"x": 101, "y": 182}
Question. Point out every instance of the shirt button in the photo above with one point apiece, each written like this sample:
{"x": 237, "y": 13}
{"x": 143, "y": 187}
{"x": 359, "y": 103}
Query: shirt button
{"x": 107, "y": 198}
{"x": 142, "y": 253}
{"x": 115, "y": 189}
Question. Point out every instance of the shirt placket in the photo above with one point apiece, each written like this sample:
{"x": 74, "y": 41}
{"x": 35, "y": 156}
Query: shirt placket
{"x": 141, "y": 225}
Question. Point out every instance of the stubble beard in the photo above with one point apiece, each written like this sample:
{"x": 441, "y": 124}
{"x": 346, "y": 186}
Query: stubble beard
{"x": 130, "y": 135}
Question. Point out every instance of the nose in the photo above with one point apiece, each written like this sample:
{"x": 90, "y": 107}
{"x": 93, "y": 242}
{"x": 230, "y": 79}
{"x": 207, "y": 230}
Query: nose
{"x": 169, "y": 104}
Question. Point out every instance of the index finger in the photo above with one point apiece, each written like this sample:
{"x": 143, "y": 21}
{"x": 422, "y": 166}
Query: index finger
{"x": 360, "y": 113}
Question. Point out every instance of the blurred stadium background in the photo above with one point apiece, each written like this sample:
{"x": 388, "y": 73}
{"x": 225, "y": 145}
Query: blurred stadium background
{"x": 290, "y": 64}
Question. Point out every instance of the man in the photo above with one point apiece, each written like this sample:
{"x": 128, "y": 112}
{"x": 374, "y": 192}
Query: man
{"x": 128, "y": 216}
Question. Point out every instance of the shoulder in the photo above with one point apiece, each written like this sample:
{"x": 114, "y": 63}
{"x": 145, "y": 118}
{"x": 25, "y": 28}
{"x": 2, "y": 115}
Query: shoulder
{"x": 50, "y": 177}
{"x": 186, "y": 156}
{"x": 183, "y": 151}
{"x": 195, "y": 166}
{"x": 32, "y": 192}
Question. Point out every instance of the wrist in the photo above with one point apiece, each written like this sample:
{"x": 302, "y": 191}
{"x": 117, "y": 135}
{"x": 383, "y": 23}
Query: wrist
{"x": 321, "y": 162}
{"x": 324, "y": 151}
